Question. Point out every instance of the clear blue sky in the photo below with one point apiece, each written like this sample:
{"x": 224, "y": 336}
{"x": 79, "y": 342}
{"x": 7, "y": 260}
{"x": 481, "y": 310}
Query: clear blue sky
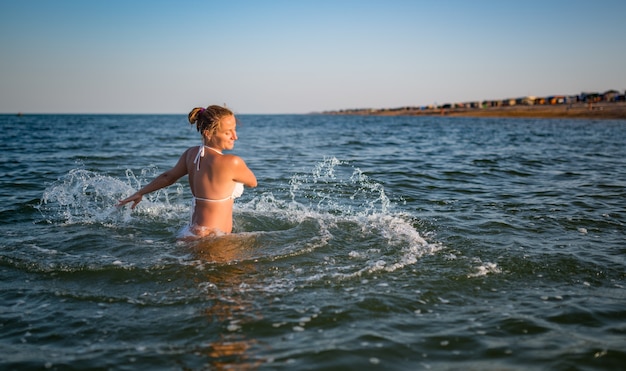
{"x": 300, "y": 56}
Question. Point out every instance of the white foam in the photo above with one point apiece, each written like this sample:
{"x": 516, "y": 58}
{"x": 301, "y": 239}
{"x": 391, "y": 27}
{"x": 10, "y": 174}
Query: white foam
{"x": 485, "y": 269}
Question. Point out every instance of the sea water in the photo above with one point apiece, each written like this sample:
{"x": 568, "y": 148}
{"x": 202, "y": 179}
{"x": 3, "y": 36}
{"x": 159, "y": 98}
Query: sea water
{"x": 392, "y": 243}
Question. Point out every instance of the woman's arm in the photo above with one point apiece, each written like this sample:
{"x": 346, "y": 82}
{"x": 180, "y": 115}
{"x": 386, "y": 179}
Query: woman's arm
{"x": 165, "y": 179}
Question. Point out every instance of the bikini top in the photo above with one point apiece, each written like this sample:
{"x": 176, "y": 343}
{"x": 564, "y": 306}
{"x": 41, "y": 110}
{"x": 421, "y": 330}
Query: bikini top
{"x": 237, "y": 191}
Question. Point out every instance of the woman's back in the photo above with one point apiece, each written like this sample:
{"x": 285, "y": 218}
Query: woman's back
{"x": 212, "y": 183}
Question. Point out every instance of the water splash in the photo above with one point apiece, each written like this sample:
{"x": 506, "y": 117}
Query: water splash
{"x": 336, "y": 187}
{"x": 83, "y": 196}
{"x": 339, "y": 210}
{"x": 334, "y": 214}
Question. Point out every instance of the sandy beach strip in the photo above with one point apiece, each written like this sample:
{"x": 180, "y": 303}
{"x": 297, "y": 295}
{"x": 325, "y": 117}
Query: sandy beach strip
{"x": 602, "y": 110}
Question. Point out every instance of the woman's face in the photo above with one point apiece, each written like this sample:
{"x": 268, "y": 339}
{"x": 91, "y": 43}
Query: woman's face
{"x": 225, "y": 135}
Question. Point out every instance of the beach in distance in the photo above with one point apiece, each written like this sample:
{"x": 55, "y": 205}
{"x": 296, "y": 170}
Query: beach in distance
{"x": 600, "y": 110}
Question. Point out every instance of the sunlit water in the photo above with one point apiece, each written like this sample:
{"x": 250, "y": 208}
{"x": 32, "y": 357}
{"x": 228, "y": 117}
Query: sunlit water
{"x": 371, "y": 243}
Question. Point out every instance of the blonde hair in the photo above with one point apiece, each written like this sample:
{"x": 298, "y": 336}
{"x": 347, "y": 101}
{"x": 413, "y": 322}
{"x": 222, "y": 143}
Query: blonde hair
{"x": 208, "y": 119}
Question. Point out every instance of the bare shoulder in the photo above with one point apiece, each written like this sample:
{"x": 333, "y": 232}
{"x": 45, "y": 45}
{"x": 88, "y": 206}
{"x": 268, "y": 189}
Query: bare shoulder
{"x": 191, "y": 151}
{"x": 233, "y": 159}
{"x": 241, "y": 172}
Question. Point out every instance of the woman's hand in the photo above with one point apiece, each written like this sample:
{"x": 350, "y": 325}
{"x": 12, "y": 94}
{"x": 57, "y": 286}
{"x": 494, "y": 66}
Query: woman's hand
{"x": 135, "y": 198}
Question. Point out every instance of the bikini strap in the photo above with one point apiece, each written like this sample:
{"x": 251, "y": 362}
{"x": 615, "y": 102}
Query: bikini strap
{"x": 201, "y": 154}
{"x": 198, "y": 156}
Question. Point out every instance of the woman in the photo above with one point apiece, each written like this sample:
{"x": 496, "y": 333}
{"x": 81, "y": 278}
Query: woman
{"x": 215, "y": 179}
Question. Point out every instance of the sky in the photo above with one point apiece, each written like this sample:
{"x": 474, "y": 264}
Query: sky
{"x": 301, "y": 56}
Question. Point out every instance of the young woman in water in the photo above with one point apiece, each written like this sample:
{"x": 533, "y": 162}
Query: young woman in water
{"x": 215, "y": 179}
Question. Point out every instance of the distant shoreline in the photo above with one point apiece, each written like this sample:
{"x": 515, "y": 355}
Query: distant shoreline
{"x": 601, "y": 110}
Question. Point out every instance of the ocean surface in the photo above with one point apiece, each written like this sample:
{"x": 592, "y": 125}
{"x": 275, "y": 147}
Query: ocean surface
{"x": 371, "y": 243}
